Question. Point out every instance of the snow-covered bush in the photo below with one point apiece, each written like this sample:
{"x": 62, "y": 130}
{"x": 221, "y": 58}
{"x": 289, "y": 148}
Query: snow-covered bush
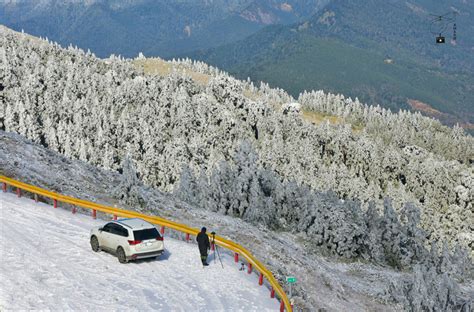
{"x": 128, "y": 189}
{"x": 427, "y": 290}
{"x": 291, "y": 108}
{"x": 245, "y": 190}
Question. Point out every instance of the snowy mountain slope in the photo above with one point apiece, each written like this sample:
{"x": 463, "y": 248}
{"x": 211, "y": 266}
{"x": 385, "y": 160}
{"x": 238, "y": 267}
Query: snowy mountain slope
{"x": 323, "y": 282}
{"x": 101, "y": 110}
{"x": 264, "y": 194}
{"x": 47, "y": 259}
{"x": 283, "y": 254}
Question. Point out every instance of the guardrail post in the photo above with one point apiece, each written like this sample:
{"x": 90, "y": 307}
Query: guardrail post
{"x": 282, "y": 306}
{"x": 18, "y": 192}
{"x": 4, "y": 187}
{"x": 236, "y": 257}
{"x": 55, "y": 203}
{"x": 260, "y": 279}
{"x": 115, "y": 217}
{"x": 74, "y": 209}
{"x": 187, "y": 237}
{"x": 272, "y": 293}
{"x": 250, "y": 268}
{"x": 94, "y": 213}
{"x": 36, "y": 198}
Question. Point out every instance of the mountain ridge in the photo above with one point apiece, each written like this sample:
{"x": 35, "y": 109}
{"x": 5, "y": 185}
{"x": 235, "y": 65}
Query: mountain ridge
{"x": 402, "y": 67}
{"x": 163, "y": 27}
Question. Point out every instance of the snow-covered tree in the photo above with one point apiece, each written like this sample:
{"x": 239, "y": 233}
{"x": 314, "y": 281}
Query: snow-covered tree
{"x": 101, "y": 110}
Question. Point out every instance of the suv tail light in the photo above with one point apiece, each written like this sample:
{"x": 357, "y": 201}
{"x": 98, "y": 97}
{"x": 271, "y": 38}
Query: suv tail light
{"x": 134, "y": 242}
{"x": 159, "y": 238}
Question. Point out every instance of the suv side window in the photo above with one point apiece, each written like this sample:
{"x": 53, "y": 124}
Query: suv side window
{"x": 119, "y": 230}
{"x": 108, "y": 227}
{"x": 123, "y": 231}
{"x": 114, "y": 229}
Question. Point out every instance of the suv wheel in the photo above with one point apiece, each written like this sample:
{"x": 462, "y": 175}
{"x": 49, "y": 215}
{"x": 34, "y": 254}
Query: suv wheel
{"x": 121, "y": 255}
{"x": 95, "y": 244}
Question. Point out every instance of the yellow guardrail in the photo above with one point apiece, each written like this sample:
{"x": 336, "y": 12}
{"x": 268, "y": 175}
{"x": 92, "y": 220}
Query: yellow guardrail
{"x": 156, "y": 220}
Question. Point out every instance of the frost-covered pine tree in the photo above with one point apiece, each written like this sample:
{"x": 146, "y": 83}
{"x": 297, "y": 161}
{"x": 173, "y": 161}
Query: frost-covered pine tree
{"x": 100, "y": 110}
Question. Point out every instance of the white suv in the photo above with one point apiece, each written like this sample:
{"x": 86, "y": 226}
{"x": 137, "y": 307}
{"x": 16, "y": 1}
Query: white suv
{"x": 128, "y": 239}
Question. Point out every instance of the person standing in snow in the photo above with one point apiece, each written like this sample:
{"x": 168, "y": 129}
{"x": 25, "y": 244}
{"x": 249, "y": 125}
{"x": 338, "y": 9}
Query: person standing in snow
{"x": 204, "y": 245}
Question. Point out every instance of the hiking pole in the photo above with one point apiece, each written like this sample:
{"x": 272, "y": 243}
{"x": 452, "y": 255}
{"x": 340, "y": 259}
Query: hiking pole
{"x": 216, "y": 250}
{"x": 219, "y": 255}
{"x": 214, "y": 244}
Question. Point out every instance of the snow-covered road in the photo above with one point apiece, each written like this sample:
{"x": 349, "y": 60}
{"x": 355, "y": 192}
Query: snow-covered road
{"x": 47, "y": 263}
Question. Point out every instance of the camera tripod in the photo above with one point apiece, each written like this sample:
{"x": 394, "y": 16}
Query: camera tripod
{"x": 216, "y": 249}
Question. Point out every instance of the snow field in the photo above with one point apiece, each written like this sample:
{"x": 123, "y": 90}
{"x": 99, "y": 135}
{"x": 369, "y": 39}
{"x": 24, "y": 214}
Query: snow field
{"x": 47, "y": 264}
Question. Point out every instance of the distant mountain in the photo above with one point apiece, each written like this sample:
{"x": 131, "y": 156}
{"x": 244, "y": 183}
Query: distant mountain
{"x": 382, "y": 52}
{"x": 156, "y": 27}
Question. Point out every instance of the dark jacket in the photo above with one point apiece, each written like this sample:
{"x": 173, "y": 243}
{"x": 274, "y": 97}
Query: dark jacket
{"x": 203, "y": 243}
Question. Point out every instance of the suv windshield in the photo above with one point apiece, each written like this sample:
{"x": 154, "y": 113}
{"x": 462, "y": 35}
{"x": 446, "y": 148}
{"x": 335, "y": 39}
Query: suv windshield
{"x": 146, "y": 234}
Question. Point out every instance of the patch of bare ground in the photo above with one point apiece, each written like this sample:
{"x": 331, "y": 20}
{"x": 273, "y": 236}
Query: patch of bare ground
{"x": 445, "y": 118}
{"x": 317, "y": 118}
{"x": 157, "y": 66}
